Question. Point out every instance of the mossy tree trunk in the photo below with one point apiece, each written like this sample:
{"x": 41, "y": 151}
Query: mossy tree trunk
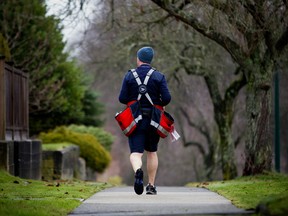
{"x": 223, "y": 111}
{"x": 259, "y": 141}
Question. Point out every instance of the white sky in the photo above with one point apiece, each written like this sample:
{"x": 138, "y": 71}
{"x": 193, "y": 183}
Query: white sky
{"x": 73, "y": 26}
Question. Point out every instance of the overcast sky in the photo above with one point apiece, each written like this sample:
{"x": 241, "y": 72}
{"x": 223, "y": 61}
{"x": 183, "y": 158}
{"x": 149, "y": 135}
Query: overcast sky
{"x": 73, "y": 27}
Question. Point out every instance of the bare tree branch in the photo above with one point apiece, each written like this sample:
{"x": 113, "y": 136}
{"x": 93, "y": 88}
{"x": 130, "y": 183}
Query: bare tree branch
{"x": 214, "y": 91}
{"x": 196, "y": 144}
{"x": 283, "y": 41}
{"x": 254, "y": 11}
{"x": 230, "y": 9}
{"x": 204, "y": 131}
{"x": 231, "y": 46}
{"x": 234, "y": 88}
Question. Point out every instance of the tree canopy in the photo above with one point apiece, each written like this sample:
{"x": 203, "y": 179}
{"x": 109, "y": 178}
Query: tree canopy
{"x": 57, "y": 87}
{"x": 255, "y": 34}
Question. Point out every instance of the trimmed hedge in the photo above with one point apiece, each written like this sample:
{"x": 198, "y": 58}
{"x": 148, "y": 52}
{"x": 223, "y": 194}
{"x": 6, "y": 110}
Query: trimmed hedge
{"x": 105, "y": 138}
{"x": 96, "y": 156}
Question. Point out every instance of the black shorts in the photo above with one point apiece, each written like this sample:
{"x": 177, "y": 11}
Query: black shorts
{"x": 145, "y": 137}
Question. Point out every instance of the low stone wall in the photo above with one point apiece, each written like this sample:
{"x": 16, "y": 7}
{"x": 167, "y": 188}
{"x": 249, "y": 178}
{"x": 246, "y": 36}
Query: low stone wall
{"x": 28, "y": 162}
{"x": 7, "y": 156}
{"x": 91, "y": 175}
{"x": 22, "y": 158}
{"x": 60, "y": 164}
{"x": 80, "y": 172}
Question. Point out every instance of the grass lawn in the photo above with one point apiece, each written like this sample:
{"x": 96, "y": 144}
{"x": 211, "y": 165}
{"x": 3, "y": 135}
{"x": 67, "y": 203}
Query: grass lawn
{"x": 269, "y": 190}
{"x": 30, "y": 197}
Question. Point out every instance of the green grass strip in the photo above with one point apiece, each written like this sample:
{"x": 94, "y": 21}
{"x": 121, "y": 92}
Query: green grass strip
{"x": 30, "y": 197}
{"x": 271, "y": 190}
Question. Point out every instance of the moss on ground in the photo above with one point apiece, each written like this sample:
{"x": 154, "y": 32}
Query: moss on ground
{"x": 55, "y": 146}
{"x": 268, "y": 192}
{"x": 29, "y": 197}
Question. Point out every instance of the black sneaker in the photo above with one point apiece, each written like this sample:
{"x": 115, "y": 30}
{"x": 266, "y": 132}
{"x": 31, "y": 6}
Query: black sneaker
{"x": 138, "y": 184}
{"x": 151, "y": 190}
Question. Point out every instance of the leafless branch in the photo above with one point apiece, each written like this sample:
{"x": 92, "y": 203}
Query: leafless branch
{"x": 229, "y": 9}
{"x": 196, "y": 144}
{"x": 282, "y": 41}
{"x": 214, "y": 91}
{"x": 234, "y": 88}
{"x": 254, "y": 12}
{"x": 203, "y": 130}
{"x": 231, "y": 46}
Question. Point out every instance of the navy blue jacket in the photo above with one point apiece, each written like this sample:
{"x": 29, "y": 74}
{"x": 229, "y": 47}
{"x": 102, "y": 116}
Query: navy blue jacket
{"x": 156, "y": 88}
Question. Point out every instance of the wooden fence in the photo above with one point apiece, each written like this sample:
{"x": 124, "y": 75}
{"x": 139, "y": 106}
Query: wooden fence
{"x": 14, "y": 103}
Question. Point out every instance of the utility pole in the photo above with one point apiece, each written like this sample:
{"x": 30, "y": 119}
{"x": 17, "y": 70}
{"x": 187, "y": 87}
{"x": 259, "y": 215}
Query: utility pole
{"x": 277, "y": 121}
{"x": 2, "y": 99}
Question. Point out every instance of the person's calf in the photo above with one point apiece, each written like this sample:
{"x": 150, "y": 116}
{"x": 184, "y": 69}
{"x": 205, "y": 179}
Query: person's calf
{"x": 136, "y": 160}
{"x": 152, "y": 166}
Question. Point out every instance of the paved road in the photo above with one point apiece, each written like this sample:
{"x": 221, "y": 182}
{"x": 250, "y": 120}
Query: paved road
{"x": 120, "y": 201}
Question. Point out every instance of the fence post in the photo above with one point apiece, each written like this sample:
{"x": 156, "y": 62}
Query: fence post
{"x": 2, "y": 99}
{"x": 277, "y": 123}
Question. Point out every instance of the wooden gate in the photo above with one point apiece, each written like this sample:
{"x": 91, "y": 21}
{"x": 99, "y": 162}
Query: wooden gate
{"x": 14, "y": 103}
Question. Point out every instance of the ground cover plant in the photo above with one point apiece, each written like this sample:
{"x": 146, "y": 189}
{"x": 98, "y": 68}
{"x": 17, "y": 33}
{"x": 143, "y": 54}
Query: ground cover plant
{"x": 29, "y": 197}
{"x": 267, "y": 194}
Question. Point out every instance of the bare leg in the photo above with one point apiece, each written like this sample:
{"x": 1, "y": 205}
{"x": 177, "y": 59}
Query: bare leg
{"x": 136, "y": 160}
{"x": 152, "y": 165}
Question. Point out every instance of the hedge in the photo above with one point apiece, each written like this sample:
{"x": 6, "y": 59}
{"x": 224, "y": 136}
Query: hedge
{"x": 96, "y": 156}
{"x": 105, "y": 138}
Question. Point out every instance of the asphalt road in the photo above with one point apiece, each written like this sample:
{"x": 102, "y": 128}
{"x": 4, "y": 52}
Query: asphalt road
{"x": 169, "y": 201}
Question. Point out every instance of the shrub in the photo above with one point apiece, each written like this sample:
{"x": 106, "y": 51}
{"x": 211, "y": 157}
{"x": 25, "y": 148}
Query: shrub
{"x": 91, "y": 150}
{"x": 105, "y": 138}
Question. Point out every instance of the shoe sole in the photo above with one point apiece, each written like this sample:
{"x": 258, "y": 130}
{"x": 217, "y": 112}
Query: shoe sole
{"x": 151, "y": 193}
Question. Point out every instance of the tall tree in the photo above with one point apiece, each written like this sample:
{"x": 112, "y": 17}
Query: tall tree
{"x": 255, "y": 33}
{"x": 57, "y": 85}
{"x": 131, "y": 25}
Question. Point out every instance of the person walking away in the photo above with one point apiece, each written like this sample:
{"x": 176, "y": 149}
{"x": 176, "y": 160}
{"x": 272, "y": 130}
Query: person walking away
{"x": 145, "y": 137}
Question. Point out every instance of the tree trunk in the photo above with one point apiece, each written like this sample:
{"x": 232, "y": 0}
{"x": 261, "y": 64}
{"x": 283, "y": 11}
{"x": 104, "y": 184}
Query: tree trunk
{"x": 258, "y": 148}
{"x": 223, "y": 117}
{"x": 210, "y": 161}
{"x": 229, "y": 170}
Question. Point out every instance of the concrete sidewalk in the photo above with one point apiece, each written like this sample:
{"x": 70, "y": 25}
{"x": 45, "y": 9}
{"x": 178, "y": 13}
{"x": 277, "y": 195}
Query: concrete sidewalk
{"x": 169, "y": 201}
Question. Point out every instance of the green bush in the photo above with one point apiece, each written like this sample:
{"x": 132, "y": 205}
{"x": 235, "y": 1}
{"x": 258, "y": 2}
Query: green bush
{"x": 91, "y": 150}
{"x": 106, "y": 139}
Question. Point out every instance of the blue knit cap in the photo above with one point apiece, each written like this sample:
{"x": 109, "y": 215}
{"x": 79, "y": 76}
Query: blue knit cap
{"x": 145, "y": 54}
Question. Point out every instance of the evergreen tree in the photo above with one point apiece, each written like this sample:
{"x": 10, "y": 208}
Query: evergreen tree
{"x": 57, "y": 87}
